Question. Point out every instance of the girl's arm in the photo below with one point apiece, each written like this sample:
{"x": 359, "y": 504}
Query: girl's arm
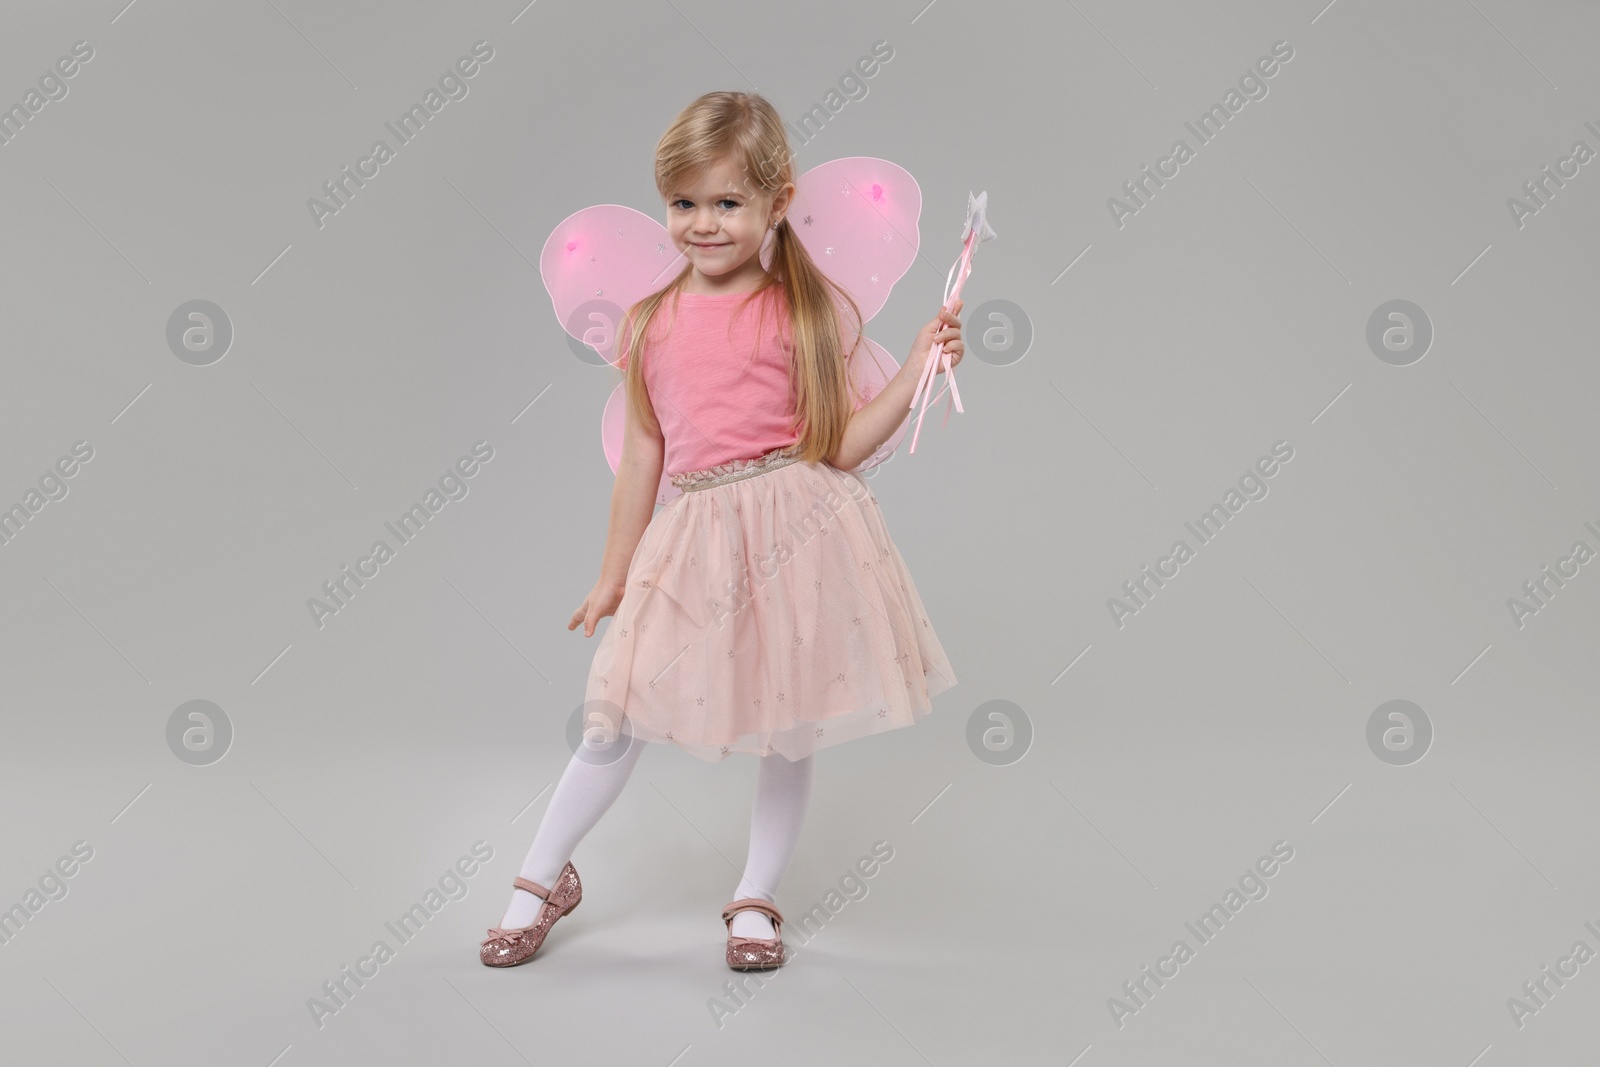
{"x": 633, "y": 500}
{"x": 870, "y": 427}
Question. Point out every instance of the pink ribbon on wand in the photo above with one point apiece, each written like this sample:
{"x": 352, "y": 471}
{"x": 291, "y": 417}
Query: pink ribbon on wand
{"x": 974, "y": 232}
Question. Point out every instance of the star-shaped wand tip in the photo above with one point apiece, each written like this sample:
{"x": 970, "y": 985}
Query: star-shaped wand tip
{"x": 978, "y": 218}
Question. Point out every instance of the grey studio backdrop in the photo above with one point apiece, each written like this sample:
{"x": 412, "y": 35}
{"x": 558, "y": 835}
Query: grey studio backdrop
{"x": 1343, "y": 350}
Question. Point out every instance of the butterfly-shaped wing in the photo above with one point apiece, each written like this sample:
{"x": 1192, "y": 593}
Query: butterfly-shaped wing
{"x": 857, "y": 217}
{"x": 595, "y": 265}
{"x": 598, "y": 263}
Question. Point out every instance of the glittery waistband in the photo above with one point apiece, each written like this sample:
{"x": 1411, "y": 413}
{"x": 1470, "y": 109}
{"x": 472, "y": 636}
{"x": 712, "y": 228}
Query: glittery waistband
{"x": 735, "y": 470}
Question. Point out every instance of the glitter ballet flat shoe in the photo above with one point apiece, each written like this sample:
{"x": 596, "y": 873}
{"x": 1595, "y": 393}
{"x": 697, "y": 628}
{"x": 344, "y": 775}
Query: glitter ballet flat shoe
{"x": 754, "y": 953}
{"x": 507, "y": 948}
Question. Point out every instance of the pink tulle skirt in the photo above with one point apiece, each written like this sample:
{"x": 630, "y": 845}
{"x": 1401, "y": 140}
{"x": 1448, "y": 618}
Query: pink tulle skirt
{"x": 766, "y": 611}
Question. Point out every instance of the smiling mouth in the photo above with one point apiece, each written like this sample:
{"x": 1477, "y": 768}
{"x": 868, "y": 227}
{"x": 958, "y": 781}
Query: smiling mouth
{"x": 698, "y": 244}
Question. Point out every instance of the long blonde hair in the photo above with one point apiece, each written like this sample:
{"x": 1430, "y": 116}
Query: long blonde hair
{"x": 745, "y": 130}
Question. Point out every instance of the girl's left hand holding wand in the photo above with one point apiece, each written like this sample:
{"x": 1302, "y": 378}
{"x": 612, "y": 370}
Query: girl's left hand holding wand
{"x": 932, "y": 334}
{"x": 874, "y": 422}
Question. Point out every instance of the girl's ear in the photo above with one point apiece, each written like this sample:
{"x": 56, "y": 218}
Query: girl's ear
{"x": 782, "y": 199}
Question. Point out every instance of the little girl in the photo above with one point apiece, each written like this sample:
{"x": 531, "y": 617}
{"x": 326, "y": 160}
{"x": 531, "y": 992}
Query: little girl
{"x": 765, "y": 609}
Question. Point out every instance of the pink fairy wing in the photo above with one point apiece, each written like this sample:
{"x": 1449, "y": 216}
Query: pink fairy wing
{"x": 595, "y": 265}
{"x": 613, "y": 421}
{"x": 599, "y": 262}
{"x": 857, "y": 217}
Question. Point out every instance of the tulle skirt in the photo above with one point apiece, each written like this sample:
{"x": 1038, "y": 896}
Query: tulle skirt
{"x": 766, "y": 611}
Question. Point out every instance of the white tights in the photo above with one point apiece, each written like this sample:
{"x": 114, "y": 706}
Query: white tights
{"x": 594, "y": 779}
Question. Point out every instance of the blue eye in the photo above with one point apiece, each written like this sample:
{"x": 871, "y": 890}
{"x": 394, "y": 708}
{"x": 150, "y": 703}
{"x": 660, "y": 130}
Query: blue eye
{"x": 732, "y": 204}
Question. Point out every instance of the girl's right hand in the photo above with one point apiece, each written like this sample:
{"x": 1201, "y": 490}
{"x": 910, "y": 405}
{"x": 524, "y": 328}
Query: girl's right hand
{"x": 601, "y": 601}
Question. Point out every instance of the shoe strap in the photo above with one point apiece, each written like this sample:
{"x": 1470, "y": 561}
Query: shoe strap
{"x": 751, "y": 904}
{"x": 533, "y": 887}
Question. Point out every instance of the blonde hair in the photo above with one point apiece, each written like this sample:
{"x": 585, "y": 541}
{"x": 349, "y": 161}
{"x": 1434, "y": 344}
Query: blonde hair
{"x": 745, "y": 130}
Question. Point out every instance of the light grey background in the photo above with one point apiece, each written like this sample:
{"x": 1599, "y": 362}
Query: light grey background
{"x": 1230, "y": 713}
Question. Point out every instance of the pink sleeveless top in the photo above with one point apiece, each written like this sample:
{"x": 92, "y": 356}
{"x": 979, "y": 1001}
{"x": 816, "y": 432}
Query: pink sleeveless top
{"x": 721, "y": 392}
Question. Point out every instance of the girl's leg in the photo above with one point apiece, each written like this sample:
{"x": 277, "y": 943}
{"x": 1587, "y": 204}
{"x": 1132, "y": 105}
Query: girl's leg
{"x": 783, "y": 791}
{"x": 592, "y": 781}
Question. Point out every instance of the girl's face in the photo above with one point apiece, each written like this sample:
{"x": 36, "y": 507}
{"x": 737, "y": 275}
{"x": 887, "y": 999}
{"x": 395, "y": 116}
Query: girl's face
{"x": 718, "y": 222}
